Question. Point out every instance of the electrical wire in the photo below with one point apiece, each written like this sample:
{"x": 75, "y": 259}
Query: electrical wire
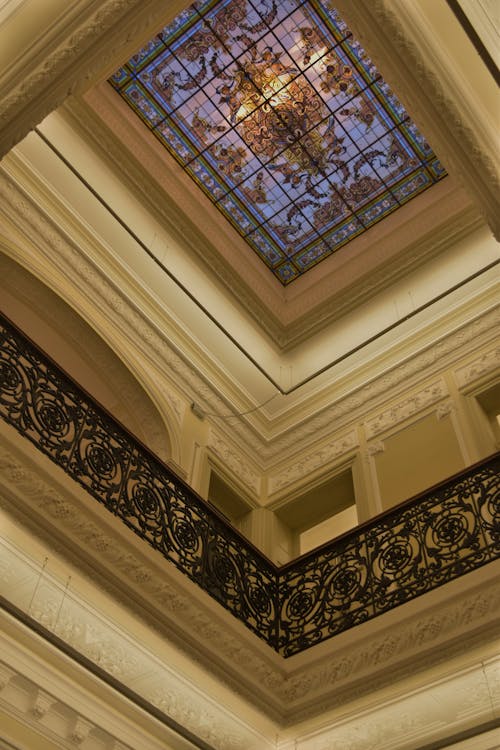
{"x": 224, "y": 417}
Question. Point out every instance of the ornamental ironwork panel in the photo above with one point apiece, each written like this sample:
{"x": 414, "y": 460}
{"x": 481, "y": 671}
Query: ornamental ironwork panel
{"x": 430, "y": 540}
{"x": 46, "y": 407}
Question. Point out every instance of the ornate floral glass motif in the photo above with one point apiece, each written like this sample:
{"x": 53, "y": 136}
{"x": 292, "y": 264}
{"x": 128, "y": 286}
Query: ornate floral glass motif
{"x": 281, "y": 118}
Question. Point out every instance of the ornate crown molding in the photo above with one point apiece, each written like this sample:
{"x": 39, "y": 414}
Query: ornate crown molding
{"x": 108, "y": 645}
{"x": 372, "y": 263}
{"x": 405, "y": 409}
{"x": 486, "y": 364}
{"x": 235, "y": 462}
{"x": 429, "y": 361}
{"x": 426, "y": 716}
{"x": 324, "y": 456}
{"x": 86, "y": 41}
{"x": 132, "y": 327}
{"x": 43, "y": 695}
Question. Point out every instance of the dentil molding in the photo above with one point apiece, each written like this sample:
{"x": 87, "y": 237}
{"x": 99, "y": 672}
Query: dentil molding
{"x": 65, "y": 714}
{"x": 64, "y": 612}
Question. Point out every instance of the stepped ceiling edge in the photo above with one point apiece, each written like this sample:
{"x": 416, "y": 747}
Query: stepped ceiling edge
{"x": 354, "y": 274}
{"x": 132, "y": 328}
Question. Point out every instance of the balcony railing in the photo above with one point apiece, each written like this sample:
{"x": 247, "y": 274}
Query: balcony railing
{"x": 432, "y": 539}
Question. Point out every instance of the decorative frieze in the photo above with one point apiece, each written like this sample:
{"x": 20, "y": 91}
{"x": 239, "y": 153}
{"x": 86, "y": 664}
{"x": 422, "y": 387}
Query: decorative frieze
{"x": 405, "y": 409}
{"x": 374, "y": 449}
{"x": 444, "y": 708}
{"x": 319, "y": 459}
{"x": 235, "y": 462}
{"x": 93, "y": 283}
{"x": 444, "y": 409}
{"x": 106, "y": 644}
{"x": 79, "y": 43}
{"x": 488, "y": 362}
{"x": 63, "y": 424}
{"x": 340, "y": 678}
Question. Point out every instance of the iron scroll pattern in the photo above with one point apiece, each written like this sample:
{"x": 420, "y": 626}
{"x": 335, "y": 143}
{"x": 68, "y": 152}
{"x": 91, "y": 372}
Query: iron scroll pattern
{"x": 420, "y": 545}
{"x": 46, "y": 407}
{"x": 432, "y": 539}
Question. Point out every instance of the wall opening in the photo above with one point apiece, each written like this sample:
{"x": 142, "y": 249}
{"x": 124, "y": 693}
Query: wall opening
{"x": 227, "y": 500}
{"x": 489, "y": 402}
{"x": 321, "y": 514}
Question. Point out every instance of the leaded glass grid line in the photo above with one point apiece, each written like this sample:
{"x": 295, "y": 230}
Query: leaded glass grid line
{"x": 281, "y": 118}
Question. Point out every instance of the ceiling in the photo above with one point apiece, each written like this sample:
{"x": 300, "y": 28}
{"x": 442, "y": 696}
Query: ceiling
{"x": 170, "y": 274}
{"x": 280, "y": 117}
{"x": 279, "y": 354}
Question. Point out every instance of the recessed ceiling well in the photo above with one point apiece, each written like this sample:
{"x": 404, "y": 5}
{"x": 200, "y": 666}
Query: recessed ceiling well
{"x": 280, "y": 117}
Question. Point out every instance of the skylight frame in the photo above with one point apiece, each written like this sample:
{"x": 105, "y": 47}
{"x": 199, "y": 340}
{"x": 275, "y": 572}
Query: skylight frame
{"x": 287, "y": 249}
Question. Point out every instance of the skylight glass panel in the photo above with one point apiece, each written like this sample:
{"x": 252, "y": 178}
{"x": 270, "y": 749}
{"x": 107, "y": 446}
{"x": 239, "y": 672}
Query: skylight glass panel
{"x": 278, "y": 114}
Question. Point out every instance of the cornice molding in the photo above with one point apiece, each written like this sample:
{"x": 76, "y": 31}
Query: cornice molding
{"x": 427, "y": 716}
{"x": 235, "y": 462}
{"x": 108, "y": 645}
{"x": 70, "y": 522}
{"x": 117, "y": 317}
{"x": 68, "y": 734}
{"x": 93, "y": 37}
{"x": 43, "y": 694}
{"x": 324, "y": 456}
{"x": 429, "y": 361}
{"x": 396, "y": 36}
{"x": 405, "y": 409}
{"x": 485, "y": 365}
{"x": 424, "y": 631}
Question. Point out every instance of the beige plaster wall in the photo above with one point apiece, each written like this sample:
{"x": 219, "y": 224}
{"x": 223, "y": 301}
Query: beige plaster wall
{"x": 420, "y": 455}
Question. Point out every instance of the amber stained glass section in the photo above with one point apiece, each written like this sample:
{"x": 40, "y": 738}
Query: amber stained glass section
{"x": 280, "y": 117}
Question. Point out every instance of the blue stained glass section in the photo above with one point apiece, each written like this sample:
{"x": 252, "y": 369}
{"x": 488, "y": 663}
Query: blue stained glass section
{"x": 279, "y": 115}
{"x": 286, "y": 273}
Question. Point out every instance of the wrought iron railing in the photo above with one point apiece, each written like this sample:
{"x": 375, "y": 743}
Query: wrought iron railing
{"x": 428, "y": 541}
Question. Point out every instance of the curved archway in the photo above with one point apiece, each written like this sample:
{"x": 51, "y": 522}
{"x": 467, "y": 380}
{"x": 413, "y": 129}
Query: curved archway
{"x": 61, "y": 332}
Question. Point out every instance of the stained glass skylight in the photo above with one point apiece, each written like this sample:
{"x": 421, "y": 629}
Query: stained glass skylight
{"x": 280, "y": 117}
